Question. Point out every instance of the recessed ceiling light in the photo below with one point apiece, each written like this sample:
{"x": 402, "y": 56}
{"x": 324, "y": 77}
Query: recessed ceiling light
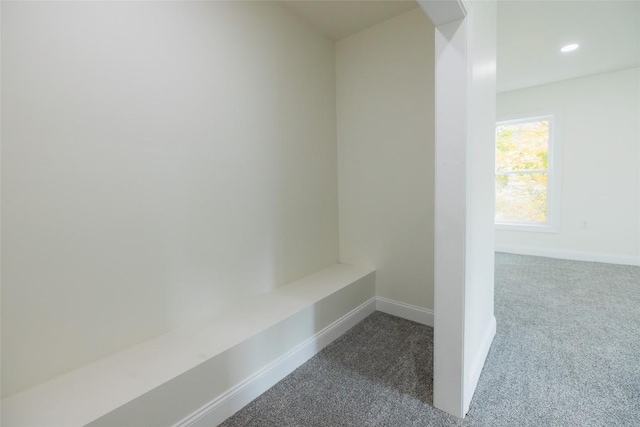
{"x": 569, "y": 48}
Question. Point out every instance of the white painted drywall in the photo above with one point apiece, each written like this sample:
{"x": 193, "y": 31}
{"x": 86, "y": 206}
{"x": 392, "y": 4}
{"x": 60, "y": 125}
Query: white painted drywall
{"x": 442, "y": 13}
{"x": 160, "y": 160}
{"x": 340, "y": 19}
{"x": 385, "y": 110}
{"x": 531, "y": 33}
{"x": 599, "y": 140}
{"x": 465, "y": 99}
{"x": 452, "y": 83}
{"x": 480, "y": 323}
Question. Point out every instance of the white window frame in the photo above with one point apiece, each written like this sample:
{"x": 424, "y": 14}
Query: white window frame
{"x": 553, "y": 176}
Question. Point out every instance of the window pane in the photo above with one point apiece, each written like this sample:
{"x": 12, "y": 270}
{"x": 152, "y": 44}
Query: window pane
{"x": 522, "y": 146}
{"x": 521, "y": 197}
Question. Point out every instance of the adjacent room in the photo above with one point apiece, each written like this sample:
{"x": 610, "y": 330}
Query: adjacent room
{"x": 567, "y": 282}
{"x": 285, "y": 213}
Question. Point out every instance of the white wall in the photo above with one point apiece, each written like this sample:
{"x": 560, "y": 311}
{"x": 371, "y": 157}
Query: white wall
{"x": 464, "y": 232}
{"x": 452, "y": 100}
{"x": 160, "y": 160}
{"x": 480, "y": 323}
{"x": 599, "y": 141}
{"x": 385, "y": 107}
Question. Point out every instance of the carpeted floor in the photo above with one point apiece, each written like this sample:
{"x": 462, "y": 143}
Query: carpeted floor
{"x": 567, "y": 353}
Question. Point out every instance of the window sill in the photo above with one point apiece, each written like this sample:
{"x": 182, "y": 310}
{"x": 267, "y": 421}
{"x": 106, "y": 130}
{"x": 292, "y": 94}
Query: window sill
{"x": 531, "y": 228}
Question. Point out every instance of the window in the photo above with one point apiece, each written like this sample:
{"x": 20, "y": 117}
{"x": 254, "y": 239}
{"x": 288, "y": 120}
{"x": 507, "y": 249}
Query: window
{"x": 524, "y": 174}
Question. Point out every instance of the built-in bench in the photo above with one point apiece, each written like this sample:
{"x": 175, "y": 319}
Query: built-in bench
{"x": 201, "y": 374}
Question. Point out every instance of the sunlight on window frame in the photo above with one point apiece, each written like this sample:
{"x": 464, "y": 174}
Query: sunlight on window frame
{"x": 551, "y": 225}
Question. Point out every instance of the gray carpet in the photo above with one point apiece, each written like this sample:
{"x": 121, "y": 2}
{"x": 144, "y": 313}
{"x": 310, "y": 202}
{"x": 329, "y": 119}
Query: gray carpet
{"x": 567, "y": 353}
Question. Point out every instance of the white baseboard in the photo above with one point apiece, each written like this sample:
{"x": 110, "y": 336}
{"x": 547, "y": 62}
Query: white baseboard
{"x": 227, "y": 404}
{"x": 478, "y": 362}
{"x": 404, "y": 310}
{"x": 572, "y": 255}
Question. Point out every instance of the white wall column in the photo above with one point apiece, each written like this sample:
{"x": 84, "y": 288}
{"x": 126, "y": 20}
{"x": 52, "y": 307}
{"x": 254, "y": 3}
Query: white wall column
{"x": 465, "y": 118}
